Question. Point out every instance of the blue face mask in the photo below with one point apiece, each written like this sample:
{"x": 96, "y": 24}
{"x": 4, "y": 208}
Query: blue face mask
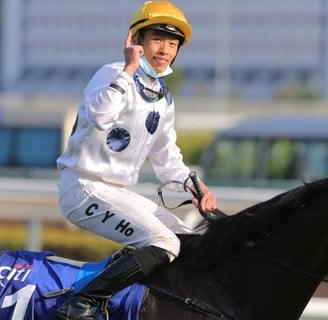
{"x": 147, "y": 68}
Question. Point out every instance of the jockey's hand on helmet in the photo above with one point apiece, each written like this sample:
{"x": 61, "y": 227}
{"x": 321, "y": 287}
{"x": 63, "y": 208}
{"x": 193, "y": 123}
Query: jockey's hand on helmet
{"x": 132, "y": 53}
{"x": 208, "y": 201}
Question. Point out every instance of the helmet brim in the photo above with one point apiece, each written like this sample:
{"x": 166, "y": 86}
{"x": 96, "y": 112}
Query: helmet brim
{"x": 167, "y": 28}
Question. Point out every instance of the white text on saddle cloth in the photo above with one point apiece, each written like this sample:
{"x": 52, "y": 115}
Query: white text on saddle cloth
{"x": 16, "y": 273}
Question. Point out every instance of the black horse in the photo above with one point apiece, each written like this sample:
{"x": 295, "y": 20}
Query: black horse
{"x": 263, "y": 263}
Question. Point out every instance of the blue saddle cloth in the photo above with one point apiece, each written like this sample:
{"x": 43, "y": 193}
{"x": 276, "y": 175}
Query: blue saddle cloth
{"x": 27, "y": 278}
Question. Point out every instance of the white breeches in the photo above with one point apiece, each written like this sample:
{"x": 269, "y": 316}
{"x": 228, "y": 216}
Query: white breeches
{"x": 119, "y": 214}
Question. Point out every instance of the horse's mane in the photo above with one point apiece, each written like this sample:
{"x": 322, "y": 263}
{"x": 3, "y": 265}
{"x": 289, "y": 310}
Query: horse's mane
{"x": 249, "y": 227}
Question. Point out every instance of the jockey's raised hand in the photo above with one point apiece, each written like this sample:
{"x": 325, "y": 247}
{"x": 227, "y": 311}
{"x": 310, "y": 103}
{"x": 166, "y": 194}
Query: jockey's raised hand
{"x": 132, "y": 53}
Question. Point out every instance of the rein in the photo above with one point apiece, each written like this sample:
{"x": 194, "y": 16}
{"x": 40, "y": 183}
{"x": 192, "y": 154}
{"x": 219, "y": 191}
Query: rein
{"x": 196, "y": 193}
{"x": 300, "y": 271}
{"x": 161, "y": 201}
{"x": 192, "y": 303}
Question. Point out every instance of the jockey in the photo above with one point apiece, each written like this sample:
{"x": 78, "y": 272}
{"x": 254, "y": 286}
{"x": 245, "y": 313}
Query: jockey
{"x": 126, "y": 116}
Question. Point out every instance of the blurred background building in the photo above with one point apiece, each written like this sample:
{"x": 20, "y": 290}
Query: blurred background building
{"x": 253, "y": 50}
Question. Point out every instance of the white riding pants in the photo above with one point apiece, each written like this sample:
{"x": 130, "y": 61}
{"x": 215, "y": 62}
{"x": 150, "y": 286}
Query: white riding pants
{"x": 118, "y": 214}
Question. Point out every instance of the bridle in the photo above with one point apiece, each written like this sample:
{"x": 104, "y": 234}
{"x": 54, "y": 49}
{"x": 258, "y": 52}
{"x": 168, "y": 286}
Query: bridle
{"x": 192, "y": 303}
{"x": 295, "y": 269}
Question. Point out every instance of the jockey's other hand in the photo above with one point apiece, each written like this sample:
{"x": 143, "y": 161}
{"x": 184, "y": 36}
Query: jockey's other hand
{"x": 208, "y": 201}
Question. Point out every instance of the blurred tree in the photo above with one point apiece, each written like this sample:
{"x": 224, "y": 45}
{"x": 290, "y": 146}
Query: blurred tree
{"x": 300, "y": 90}
{"x": 175, "y": 80}
{"x": 192, "y": 144}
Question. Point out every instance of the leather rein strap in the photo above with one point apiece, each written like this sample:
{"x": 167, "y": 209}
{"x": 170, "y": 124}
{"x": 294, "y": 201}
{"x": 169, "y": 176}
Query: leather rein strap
{"x": 195, "y": 191}
{"x": 300, "y": 271}
{"x": 161, "y": 198}
{"x": 192, "y": 303}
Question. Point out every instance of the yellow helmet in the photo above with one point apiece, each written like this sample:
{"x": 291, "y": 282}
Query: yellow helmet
{"x": 164, "y": 16}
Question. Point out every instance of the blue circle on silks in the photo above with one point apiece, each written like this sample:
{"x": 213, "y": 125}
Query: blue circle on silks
{"x": 118, "y": 139}
{"x": 152, "y": 121}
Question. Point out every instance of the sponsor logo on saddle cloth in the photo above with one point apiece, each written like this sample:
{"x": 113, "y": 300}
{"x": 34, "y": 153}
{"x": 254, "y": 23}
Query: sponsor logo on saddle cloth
{"x": 19, "y": 277}
{"x": 19, "y": 272}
